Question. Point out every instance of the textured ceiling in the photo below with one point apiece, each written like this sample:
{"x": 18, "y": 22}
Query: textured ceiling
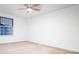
{"x": 12, "y": 9}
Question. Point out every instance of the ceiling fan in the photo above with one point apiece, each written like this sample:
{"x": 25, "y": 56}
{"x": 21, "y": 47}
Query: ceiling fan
{"x": 30, "y": 7}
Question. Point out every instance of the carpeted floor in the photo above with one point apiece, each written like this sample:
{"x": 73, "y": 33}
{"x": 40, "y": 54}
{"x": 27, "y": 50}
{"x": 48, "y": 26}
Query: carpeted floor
{"x": 30, "y": 47}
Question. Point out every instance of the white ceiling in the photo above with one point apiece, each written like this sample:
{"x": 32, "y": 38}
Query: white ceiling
{"x": 12, "y": 9}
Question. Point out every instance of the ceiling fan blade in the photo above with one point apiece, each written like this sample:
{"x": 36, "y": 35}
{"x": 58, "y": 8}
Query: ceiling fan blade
{"x": 35, "y": 5}
{"x": 21, "y": 8}
{"x": 25, "y": 5}
{"x": 36, "y": 9}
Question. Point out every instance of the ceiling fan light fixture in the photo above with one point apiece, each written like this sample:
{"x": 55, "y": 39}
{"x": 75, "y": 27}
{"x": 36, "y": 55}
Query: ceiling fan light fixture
{"x": 29, "y": 10}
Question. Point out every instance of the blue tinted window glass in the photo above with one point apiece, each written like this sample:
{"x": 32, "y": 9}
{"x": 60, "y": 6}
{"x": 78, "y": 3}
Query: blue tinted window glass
{"x": 6, "y": 26}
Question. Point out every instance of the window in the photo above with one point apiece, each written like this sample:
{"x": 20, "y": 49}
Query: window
{"x": 6, "y": 26}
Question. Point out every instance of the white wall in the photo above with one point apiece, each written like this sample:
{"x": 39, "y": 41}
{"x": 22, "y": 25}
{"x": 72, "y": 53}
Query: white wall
{"x": 19, "y": 32}
{"x": 59, "y": 29}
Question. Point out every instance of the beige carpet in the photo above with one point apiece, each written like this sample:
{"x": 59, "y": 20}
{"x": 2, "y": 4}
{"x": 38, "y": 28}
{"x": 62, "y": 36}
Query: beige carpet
{"x": 30, "y": 47}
